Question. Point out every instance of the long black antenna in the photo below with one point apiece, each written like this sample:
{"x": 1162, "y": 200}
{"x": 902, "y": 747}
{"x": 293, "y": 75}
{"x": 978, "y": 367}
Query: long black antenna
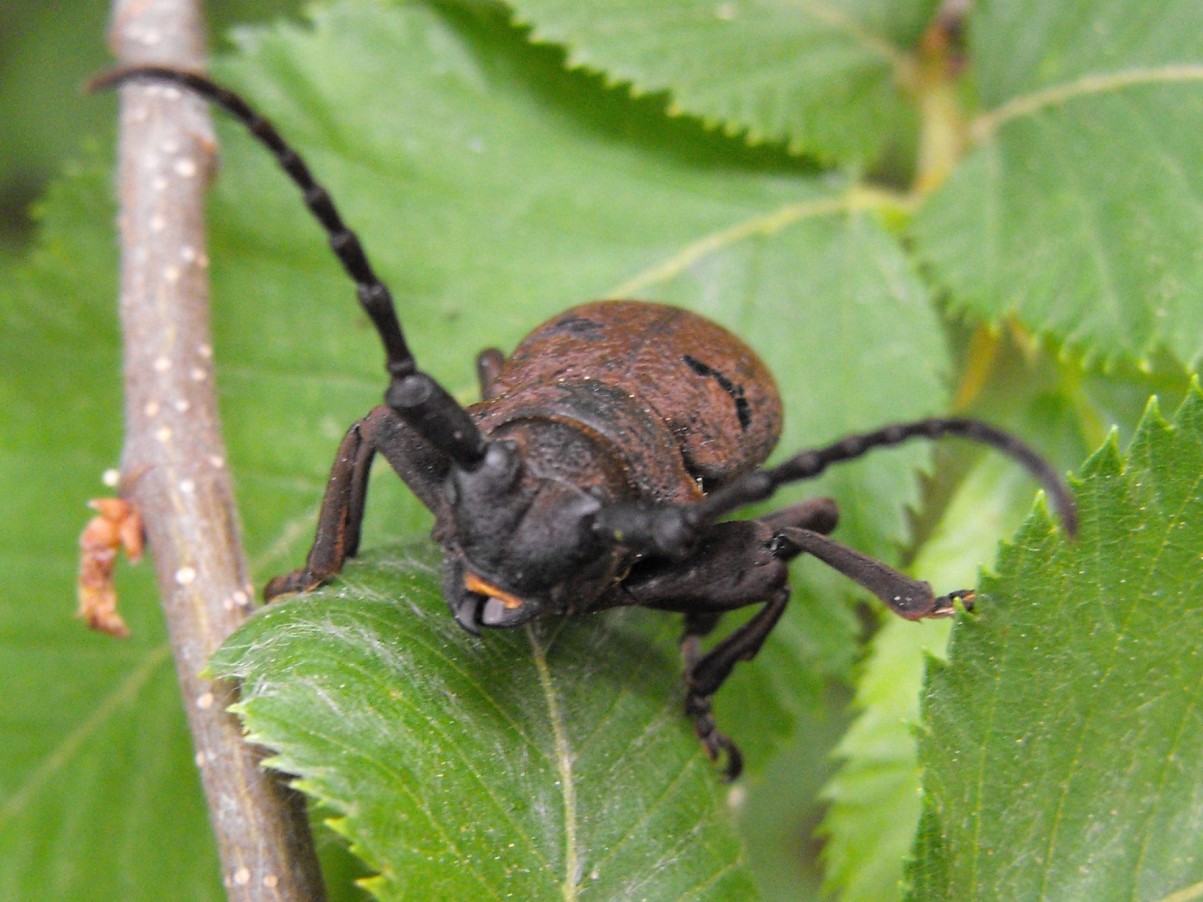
{"x": 414, "y": 396}
{"x": 671, "y": 529}
{"x": 809, "y": 464}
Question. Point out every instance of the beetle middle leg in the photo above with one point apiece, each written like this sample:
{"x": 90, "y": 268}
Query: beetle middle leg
{"x": 738, "y": 563}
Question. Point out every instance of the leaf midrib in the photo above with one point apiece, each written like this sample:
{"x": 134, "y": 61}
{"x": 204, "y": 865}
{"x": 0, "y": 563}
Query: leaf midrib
{"x": 563, "y": 761}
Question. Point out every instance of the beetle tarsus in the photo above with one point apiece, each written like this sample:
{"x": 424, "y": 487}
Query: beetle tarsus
{"x": 946, "y": 605}
{"x": 300, "y": 580}
{"x": 717, "y": 745}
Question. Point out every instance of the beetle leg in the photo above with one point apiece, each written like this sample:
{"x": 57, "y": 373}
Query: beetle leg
{"x": 906, "y": 597}
{"x": 337, "y": 538}
{"x": 738, "y": 563}
{"x": 704, "y": 674}
{"x": 488, "y": 369}
{"x": 815, "y": 514}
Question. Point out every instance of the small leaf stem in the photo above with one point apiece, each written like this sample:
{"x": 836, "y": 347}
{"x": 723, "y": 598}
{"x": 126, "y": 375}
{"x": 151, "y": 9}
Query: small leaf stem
{"x": 943, "y": 130}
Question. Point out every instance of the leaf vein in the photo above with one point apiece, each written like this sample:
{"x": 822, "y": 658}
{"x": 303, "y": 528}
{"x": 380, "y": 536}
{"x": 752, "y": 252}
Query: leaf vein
{"x": 1093, "y": 83}
{"x": 61, "y": 755}
{"x": 836, "y": 19}
{"x": 763, "y": 224}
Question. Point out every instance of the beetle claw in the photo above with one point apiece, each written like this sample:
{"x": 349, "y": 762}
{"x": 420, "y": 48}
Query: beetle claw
{"x": 945, "y": 605}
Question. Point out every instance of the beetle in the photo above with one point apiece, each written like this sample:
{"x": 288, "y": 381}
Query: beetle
{"x": 599, "y": 468}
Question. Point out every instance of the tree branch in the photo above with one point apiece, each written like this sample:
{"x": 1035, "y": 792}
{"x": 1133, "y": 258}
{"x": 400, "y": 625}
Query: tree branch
{"x": 174, "y": 461}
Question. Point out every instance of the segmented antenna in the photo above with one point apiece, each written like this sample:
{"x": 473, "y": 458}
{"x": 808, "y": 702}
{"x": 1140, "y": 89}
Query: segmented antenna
{"x": 373, "y": 294}
{"x": 414, "y": 396}
{"x": 809, "y": 464}
{"x": 671, "y": 529}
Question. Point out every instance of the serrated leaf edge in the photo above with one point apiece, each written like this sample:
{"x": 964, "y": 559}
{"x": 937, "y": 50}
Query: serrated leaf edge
{"x": 578, "y": 57}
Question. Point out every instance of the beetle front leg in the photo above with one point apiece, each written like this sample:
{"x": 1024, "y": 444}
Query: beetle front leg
{"x": 337, "y": 538}
{"x": 912, "y": 599}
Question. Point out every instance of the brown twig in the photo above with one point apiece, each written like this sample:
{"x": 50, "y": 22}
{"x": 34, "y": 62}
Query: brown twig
{"x": 174, "y": 462}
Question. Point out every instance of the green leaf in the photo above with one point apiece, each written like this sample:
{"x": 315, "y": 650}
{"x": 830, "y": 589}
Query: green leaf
{"x": 536, "y": 764}
{"x": 1079, "y": 206}
{"x": 826, "y": 78}
{"x": 1059, "y": 752}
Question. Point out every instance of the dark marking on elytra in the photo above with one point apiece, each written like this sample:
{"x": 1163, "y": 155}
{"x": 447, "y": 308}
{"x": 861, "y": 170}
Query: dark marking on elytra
{"x": 579, "y": 327}
{"x": 735, "y": 391}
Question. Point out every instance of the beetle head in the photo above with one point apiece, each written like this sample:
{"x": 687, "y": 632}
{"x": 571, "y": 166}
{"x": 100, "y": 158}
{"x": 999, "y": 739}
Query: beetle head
{"x": 518, "y": 544}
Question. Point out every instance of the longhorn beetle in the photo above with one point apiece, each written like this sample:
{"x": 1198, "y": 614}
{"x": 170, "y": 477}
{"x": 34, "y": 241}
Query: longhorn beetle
{"x": 598, "y": 467}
